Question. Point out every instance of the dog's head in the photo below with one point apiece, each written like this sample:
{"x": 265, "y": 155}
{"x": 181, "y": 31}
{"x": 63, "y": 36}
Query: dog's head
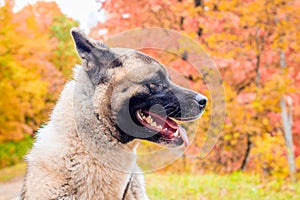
{"x": 141, "y": 101}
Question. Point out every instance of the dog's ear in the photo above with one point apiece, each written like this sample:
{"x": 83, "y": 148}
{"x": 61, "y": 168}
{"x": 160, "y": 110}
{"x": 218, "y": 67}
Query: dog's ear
{"x": 96, "y": 56}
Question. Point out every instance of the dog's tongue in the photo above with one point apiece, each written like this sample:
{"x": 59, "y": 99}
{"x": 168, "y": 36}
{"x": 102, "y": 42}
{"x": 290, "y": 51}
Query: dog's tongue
{"x": 172, "y": 124}
{"x": 184, "y": 136}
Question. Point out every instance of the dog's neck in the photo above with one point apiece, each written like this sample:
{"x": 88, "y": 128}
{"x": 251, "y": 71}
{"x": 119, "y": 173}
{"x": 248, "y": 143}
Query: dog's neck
{"x": 94, "y": 128}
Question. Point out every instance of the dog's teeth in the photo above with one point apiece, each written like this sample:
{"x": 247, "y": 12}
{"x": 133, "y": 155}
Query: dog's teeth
{"x": 148, "y": 119}
{"x": 165, "y": 129}
{"x": 159, "y": 126}
{"x": 176, "y": 133}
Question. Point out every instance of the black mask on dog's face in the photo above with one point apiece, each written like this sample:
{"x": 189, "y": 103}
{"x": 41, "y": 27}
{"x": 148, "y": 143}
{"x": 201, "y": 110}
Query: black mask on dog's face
{"x": 150, "y": 114}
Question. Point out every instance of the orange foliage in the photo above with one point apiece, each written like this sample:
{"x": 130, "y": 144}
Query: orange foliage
{"x": 30, "y": 81}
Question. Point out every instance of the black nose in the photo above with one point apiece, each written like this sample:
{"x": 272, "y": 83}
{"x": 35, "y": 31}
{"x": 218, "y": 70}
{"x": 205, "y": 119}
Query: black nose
{"x": 201, "y": 100}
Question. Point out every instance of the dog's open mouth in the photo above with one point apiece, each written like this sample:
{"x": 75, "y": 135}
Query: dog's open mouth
{"x": 166, "y": 128}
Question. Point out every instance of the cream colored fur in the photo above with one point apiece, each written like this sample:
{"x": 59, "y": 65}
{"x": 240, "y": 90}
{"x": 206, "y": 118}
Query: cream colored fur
{"x": 66, "y": 164}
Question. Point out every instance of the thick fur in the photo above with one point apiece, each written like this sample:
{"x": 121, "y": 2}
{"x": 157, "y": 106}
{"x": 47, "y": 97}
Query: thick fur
{"x": 61, "y": 167}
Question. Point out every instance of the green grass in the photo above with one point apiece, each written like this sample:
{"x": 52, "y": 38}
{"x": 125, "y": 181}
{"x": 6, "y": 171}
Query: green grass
{"x": 11, "y": 172}
{"x": 212, "y": 186}
{"x": 203, "y": 187}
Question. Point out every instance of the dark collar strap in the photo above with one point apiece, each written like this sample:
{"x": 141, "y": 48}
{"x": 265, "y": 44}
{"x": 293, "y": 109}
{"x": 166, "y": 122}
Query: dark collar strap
{"x": 127, "y": 188}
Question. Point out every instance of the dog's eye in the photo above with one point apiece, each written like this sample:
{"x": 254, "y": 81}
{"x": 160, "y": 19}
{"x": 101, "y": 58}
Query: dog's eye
{"x": 152, "y": 86}
{"x": 155, "y": 86}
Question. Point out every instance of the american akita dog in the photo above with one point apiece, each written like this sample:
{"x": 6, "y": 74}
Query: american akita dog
{"x": 116, "y": 97}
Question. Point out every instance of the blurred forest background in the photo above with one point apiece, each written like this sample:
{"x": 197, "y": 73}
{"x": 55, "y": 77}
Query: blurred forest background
{"x": 255, "y": 44}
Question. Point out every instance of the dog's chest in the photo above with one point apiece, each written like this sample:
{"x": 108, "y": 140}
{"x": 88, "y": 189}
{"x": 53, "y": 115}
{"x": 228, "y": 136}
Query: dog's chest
{"x": 92, "y": 180}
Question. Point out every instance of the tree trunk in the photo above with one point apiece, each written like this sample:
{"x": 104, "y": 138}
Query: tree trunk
{"x": 198, "y": 3}
{"x": 257, "y": 83}
{"x": 287, "y": 120}
{"x": 184, "y": 162}
{"x": 247, "y": 152}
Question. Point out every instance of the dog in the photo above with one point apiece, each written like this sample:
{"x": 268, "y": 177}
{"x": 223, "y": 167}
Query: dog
{"x": 116, "y": 98}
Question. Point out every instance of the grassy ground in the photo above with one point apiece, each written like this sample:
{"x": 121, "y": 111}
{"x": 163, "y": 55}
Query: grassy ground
{"x": 202, "y": 187}
{"x": 212, "y": 186}
{"x": 11, "y": 172}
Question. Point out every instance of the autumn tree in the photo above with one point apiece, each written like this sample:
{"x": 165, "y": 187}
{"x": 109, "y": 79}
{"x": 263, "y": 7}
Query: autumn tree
{"x": 21, "y": 87}
{"x": 31, "y": 73}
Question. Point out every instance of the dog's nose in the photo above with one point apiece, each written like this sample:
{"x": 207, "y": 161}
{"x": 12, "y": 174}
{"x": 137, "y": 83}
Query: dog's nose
{"x": 201, "y": 100}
